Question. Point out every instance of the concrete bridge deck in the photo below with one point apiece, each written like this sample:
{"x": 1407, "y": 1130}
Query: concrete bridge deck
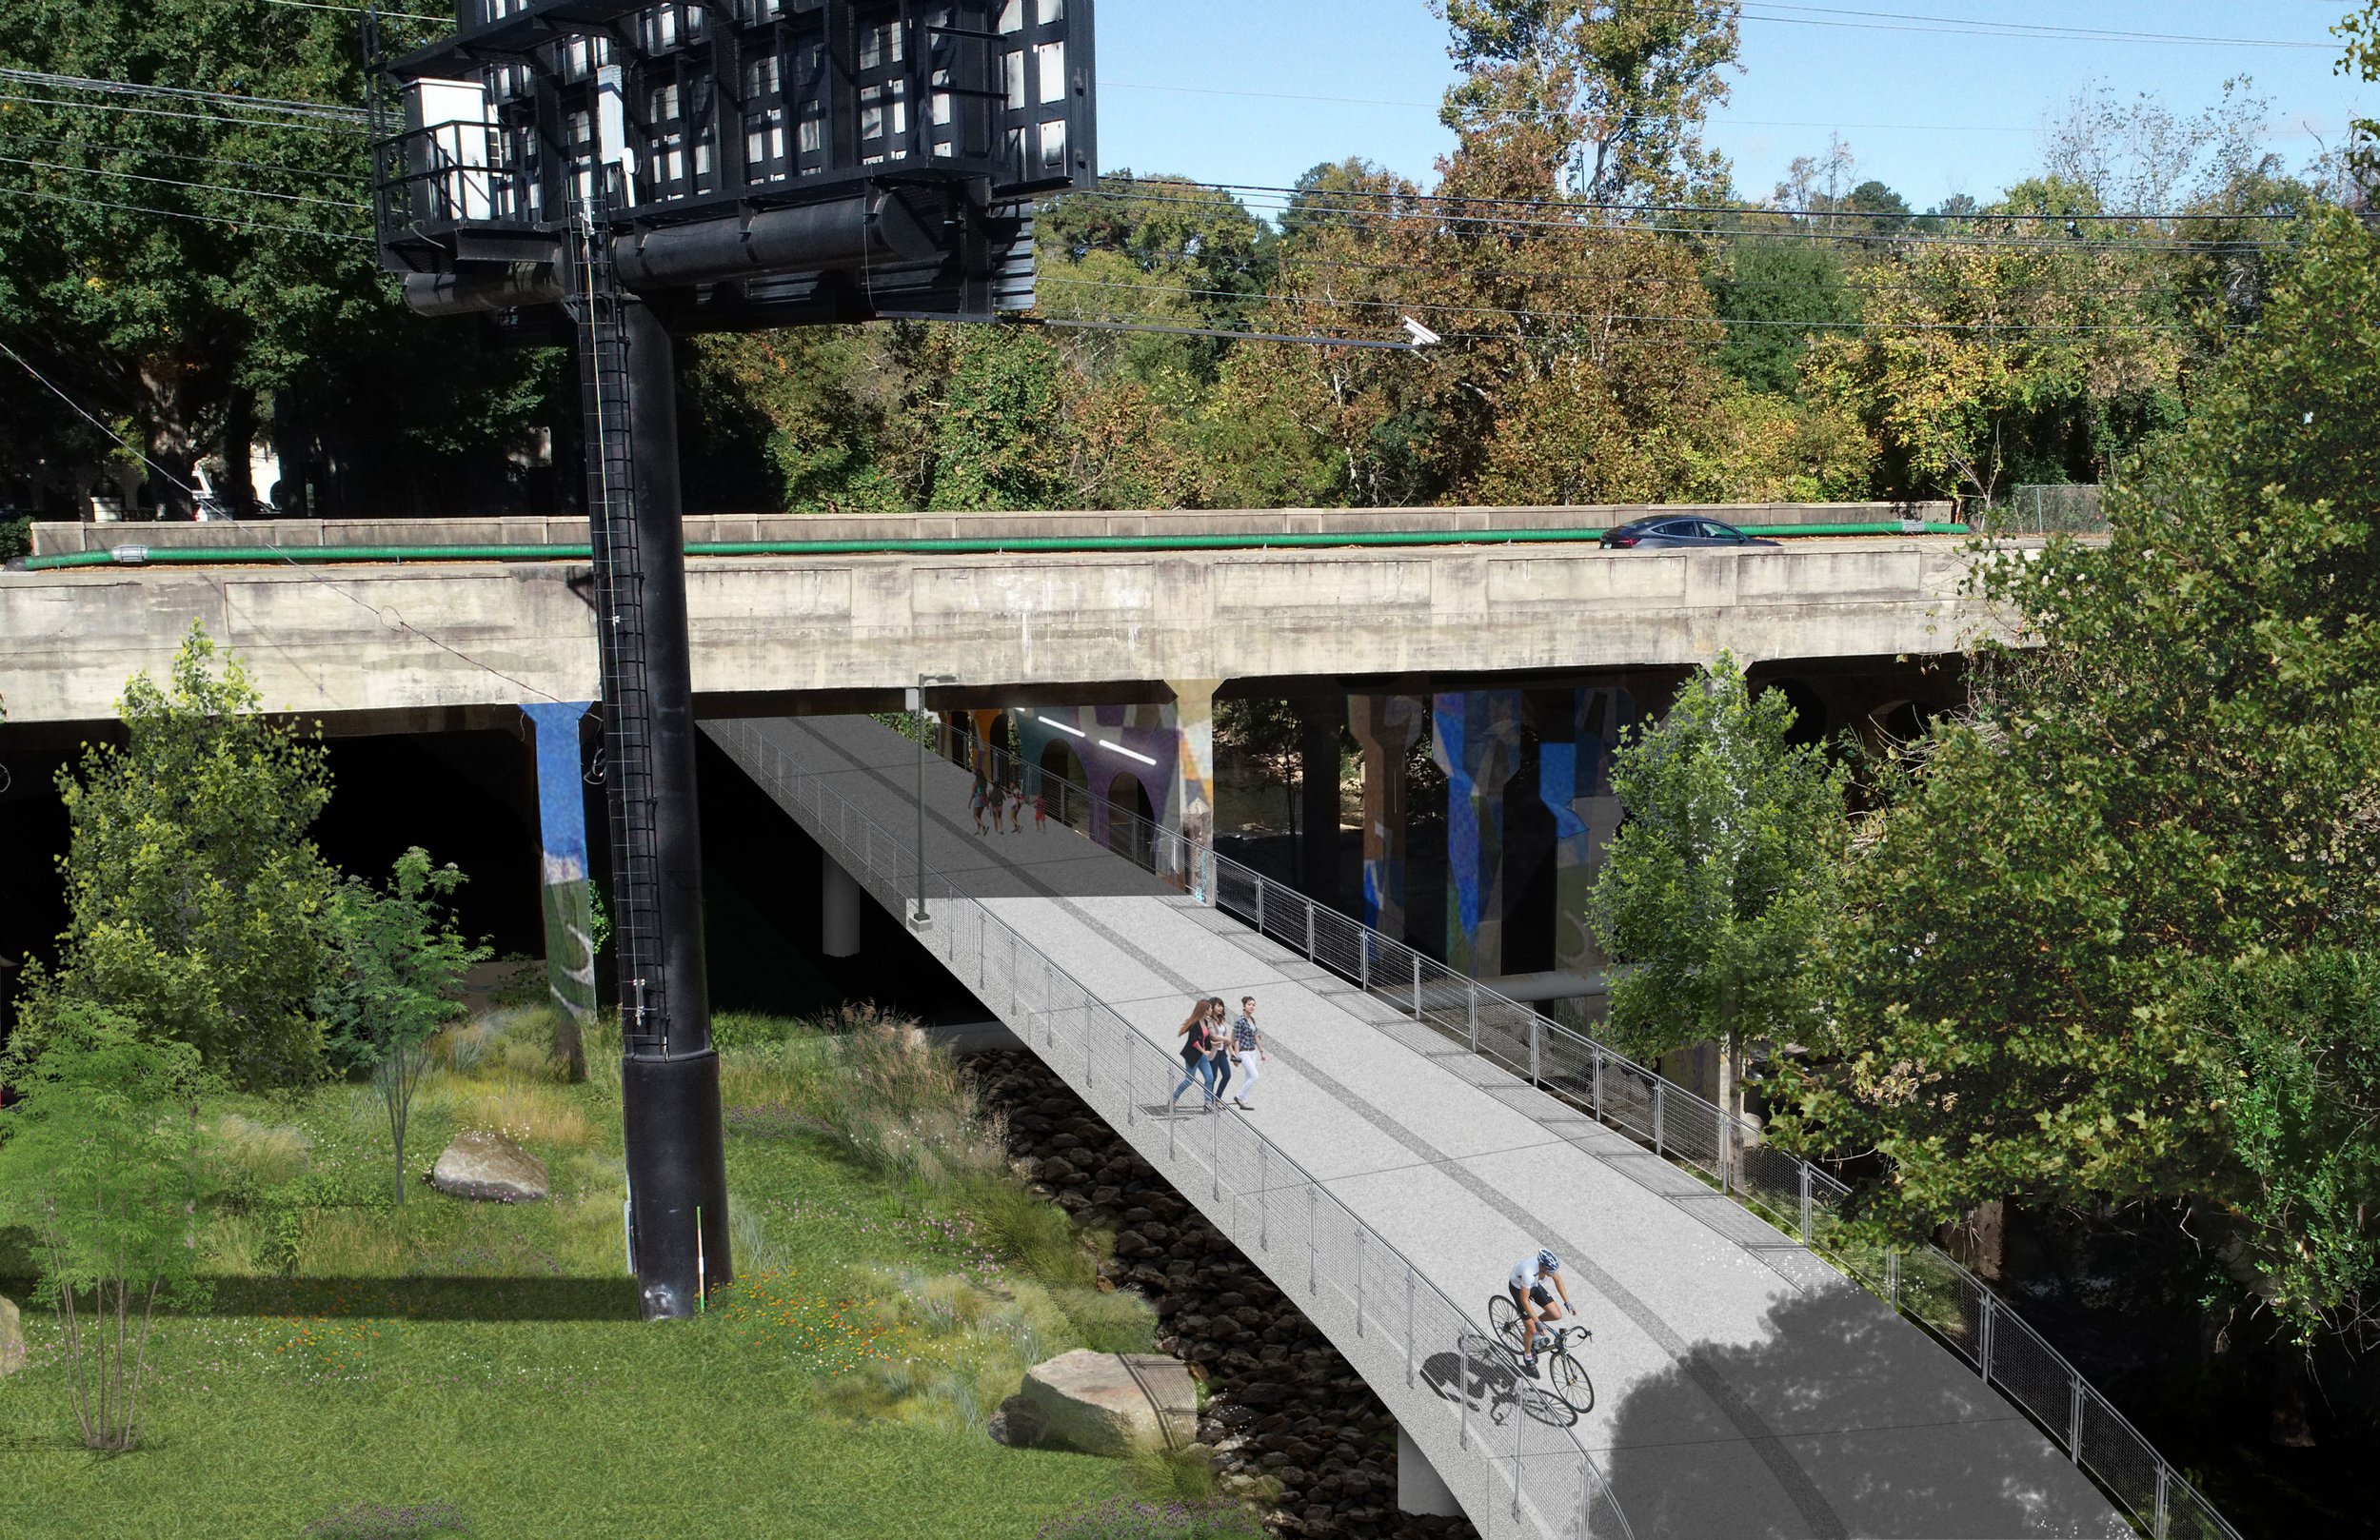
{"x": 1744, "y": 1388}
{"x": 383, "y": 647}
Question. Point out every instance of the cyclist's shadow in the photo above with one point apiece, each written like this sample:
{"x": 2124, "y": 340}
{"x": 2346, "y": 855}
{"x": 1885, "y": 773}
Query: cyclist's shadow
{"x": 1491, "y": 1383}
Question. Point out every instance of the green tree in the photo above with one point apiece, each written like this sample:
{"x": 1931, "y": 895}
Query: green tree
{"x": 1714, "y": 892}
{"x": 100, "y": 1161}
{"x": 2181, "y": 776}
{"x": 991, "y": 430}
{"x": 196, "y": 904}
{"x": 2361, "y": 32}
{"x": 1778, "y": 292}
{"x": 395, "y": 976}
{"x": 1622, "y": 88}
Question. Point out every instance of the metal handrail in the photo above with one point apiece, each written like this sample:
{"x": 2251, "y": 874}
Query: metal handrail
{"x": 1540, "y": 1506}
{"x": 1637, "y": 1101}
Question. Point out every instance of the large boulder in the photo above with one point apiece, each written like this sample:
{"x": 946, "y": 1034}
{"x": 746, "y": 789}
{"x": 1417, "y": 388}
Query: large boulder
{"x": 1106, "y": 1403}
{"x": 490, "y": 1168}
{"x": 11, "y": 1339}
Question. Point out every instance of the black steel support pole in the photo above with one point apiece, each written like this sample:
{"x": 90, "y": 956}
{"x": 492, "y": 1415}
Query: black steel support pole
{"x": 675, "y": 1144}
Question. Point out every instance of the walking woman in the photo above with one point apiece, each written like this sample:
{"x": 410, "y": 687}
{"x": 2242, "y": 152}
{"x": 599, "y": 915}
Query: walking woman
{"x": 1220, "y": 1056}
{"x": 1197, "y": 1047}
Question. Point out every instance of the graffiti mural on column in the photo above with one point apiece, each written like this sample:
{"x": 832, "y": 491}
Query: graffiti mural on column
{"x": 1386, "y": 725}
{"x": 1478, "y": 744}
{"x": 562, "y": 827}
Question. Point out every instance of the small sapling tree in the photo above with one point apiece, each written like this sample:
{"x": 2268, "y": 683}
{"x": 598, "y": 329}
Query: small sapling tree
{"x": 194, "y": 896}
{"x": 1715, "y": 891}
{"x": 100, "y": 1161}
{"x": 397, "y": 962}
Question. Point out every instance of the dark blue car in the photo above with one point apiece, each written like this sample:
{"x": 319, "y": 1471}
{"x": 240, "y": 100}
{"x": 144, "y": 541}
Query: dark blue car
{"x": 1677, "y": 532}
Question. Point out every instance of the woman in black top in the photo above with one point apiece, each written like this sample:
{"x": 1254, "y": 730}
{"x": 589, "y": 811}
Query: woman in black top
{"x": 1198, "y": 1048}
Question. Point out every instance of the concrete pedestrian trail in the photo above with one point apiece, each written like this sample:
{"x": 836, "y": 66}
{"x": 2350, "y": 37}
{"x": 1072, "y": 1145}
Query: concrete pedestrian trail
{"x": 1744, "y": 1388}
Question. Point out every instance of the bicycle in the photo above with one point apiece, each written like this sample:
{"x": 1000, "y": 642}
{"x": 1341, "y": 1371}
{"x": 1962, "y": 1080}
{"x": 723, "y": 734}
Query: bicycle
{"x": 1566, "y": 1379}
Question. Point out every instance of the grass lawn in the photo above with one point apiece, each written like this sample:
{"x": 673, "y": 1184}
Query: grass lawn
{"x": 893, "y": 1286}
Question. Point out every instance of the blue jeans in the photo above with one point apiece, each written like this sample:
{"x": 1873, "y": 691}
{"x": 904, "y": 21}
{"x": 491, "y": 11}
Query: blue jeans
{"x": 1199, "y": 1068}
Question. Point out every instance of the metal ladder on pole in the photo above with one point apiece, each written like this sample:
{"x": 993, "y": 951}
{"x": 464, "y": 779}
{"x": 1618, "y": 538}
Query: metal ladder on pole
{"x": 603, "y": 392}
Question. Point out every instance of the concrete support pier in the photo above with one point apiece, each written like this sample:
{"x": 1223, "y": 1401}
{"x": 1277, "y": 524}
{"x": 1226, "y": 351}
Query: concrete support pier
{"x": 839, "y": 901}
{"x": 1188, "y": 811}
{"x": 1419, "y": 1488}
{"x": 1387, "y": 726}
{"x": 1478, "y": 744}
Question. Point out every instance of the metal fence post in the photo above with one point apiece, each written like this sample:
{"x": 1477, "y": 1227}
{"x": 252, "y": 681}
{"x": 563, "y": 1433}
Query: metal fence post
{"x": 1314, "y": 1202}
{"x": 1805, "y": 1202}
{"x": 1521, "y": 1448}
{"x": 1408, "y": 1327}
{"x": 2165, "y": 1483}
{"x": 1471, "y": 987}
{"x": 1363, "y": 962}
{"x": 2074, "y": 1417}
{"x": 1983, "y": 1349}
{"x": 1131, "y": 1074}
{"x": 1892, "y": 1276}
{"x": 1088, "y": 1079}
{"x": 1264, "y": 1195}
{"x": 1215, "y": 1153}
{"x": 1016, "y": 995}
{"x": 1309, "y": 930}
{"x": 1259, "y": 905}
{"x": 1537, "y": 1045}
{"x": 1660, "y": 1099}
{"x": 1462, "y": 1394}
{"x": 1597, "y": 1052}
{"x": 1359, "y": 1232}
{"x": 1417, "y": 986}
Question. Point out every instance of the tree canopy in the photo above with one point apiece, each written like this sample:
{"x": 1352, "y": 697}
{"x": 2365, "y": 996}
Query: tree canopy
{"x": 2172, "y": 805}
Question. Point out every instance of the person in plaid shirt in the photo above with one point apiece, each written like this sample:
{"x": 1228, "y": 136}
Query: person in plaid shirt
{"x": 1247, "y": 1049}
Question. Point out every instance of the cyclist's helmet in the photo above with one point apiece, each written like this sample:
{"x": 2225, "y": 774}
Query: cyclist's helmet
{"x": 1548, "y": 1262}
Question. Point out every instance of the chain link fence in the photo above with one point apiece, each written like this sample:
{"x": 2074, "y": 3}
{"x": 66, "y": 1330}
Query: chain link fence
{"x": 1508, "y": 1451}
{"x": 1806, "y": 1202}
{"x": 2045, "y": 509}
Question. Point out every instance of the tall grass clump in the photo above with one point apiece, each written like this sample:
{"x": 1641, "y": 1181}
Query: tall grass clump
{"x": 865, "y": 1078}
{"x": 1122, "y": 1518}
{"x": 248, "y": 1157}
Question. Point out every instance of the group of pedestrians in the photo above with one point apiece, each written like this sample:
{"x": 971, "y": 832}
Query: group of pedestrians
{"x": 991, "y": 798}
{"x": 1213, "y": 1055}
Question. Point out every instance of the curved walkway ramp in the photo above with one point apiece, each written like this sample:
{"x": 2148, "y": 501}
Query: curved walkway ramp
{"x": 1389, "y": 1179}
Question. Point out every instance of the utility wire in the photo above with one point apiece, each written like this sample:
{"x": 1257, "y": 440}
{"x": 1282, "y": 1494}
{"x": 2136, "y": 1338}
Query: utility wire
{"x": 176, "y": 213}
{"x": 1893, "y": 21}
{"x": 303, "y": 125}
{"x": 1307, "y": 197}
{"x": 387, "y": 615}
{"x": 1605, "y": 317}
{"x": 1847, "y": 286}
{"x": 143, "y": 150}
{"x": 41, "y": 80}
{"x": 178, "y": 182}
{"x": 1717, "y": 234}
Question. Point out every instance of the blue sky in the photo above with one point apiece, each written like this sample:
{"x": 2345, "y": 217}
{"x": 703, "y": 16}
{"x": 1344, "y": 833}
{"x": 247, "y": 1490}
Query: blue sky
{"x": 1212, "y": 87}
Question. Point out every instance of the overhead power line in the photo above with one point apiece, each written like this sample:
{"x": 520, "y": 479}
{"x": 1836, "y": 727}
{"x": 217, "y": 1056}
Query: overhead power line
{"x": 1895, "y": 21}
{"x": 1601, "y": 316}
{"x": 1307, "y": 198}
{"x": 147, "y": 152}
{"x": 43, "y": 81}
{"x": 178, "y": 182}
{"x": 302, "y": 125}
{"x": 1713, "y": 231}
{"x": 175, "y": 213}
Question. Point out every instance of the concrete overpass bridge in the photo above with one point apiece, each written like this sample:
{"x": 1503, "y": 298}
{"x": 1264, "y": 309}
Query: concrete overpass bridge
{"x": 1414, "y": 1135}
{"x": 374, "y": 627}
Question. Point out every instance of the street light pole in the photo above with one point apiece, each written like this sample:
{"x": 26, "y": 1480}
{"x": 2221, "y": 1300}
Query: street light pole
{"x": 918, "y": 919}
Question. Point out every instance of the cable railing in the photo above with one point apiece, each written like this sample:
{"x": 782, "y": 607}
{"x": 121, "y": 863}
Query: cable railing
{"x": 1509, "y": 1452}
{"x": 1923, "y": 1283}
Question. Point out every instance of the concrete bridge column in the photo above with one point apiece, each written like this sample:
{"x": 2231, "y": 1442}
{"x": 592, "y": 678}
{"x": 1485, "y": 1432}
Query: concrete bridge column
{"x": 568, "y": 904}
{"x": 1317, "y": 755}
{"x": 1478, "y": 744}
{"x": 1576, "y": 744}
{"x": 1386, "y": 725}
{"x": 1419, "y": 1488}
{"x": 1188, "y": 811}
{"x": 839, "y": 909}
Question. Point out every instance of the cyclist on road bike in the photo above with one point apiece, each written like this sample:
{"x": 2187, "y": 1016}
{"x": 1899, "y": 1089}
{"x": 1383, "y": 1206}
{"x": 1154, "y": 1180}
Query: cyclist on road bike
{"x": 1535, "y": 1282}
